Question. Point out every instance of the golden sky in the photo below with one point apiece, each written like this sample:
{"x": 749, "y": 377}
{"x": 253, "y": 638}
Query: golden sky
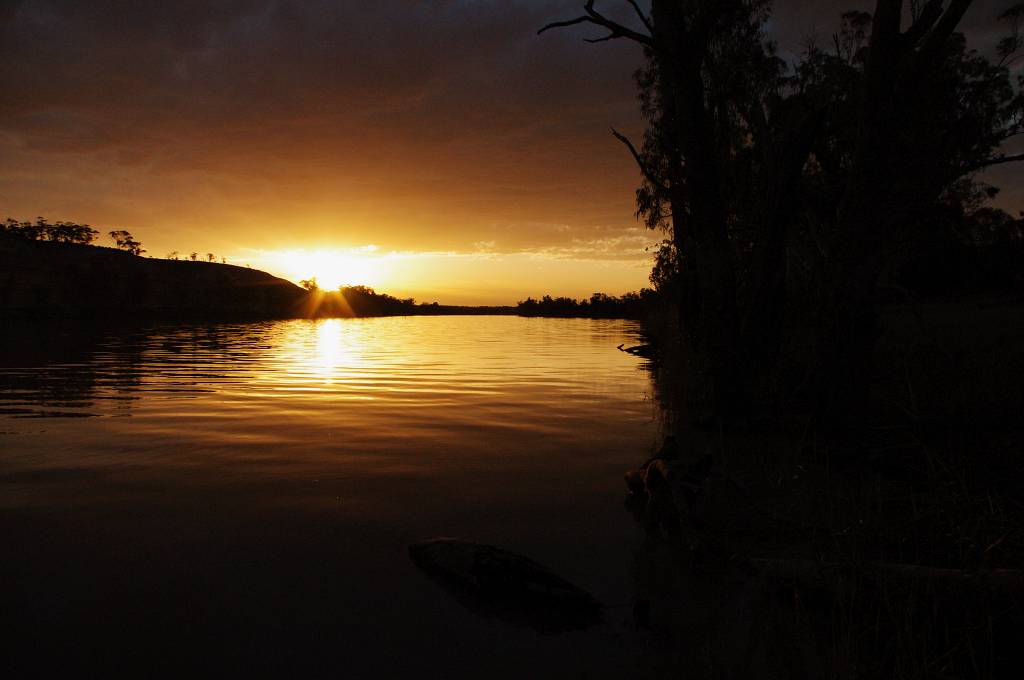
{"x": 439, "y": 150}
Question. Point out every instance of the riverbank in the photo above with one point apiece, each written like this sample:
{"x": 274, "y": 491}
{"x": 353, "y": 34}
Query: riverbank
{"x": 897, "y": 553}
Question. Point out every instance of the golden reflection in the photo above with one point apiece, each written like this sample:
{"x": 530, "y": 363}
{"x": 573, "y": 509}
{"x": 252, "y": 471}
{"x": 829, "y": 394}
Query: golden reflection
{"x": 331, "y": 354}
{"x": 323, "y": 352}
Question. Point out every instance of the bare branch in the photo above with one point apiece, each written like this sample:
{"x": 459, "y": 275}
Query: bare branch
{"x": 643, "y": 17}
{"x": 563, "y": 24}
{"x": 615, "y": 30}
{"x": 644, "y": 169}
{"x": 998, "y": 160}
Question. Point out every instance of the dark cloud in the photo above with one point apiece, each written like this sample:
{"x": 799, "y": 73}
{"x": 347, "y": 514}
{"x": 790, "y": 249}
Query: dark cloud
{"x": 432, "y": 125}
{"x": 442, "y": 107}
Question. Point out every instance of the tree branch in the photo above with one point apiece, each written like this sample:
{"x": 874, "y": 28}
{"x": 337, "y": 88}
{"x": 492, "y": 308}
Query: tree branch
{"x": 930, "y": 13}
{"x": 944, "y": 27}
{"x": 563, "y": 24}
{"x": 615, "y": 30}
{"x": 997, "y": 160}
{"x": 643, "y": 17}
{"x": 648, "y": 175}
{"x": 885, "y": 27}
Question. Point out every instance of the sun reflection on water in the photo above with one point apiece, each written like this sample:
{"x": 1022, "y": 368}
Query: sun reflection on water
{"x": 335, "y": 351}
{"x": 321, "y": 353}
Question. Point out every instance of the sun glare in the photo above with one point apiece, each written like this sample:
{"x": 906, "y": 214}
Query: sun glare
{"x": 333, "y": 268}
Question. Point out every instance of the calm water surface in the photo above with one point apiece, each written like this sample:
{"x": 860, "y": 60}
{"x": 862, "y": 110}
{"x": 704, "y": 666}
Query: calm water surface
{"x": 242, "y": 495}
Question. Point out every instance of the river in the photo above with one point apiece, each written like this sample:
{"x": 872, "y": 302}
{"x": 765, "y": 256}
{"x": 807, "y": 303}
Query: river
{"x": 241, "y": 496}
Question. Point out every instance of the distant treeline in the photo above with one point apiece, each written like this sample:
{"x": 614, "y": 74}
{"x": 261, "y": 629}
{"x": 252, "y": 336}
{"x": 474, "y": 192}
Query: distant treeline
{"x": 84, "y": 234}
{"x": 58, "y": 232}
{"x": 68, "y": 232}
{"x": 363, "y": 301}
{"x": 633, "y": 305}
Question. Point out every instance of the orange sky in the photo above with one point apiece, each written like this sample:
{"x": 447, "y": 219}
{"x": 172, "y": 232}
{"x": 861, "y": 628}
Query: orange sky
{"x": 444, "y": 146}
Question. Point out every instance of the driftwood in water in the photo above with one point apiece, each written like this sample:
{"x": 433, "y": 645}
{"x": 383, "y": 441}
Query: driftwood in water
{"x": 645, "y": 351}
{"x": 664, "y": 486}
{"x": 497, "y": 583}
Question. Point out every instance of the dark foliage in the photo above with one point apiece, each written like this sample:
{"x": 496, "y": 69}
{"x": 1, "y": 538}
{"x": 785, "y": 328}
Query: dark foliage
{"x": 792, "y": 193}
{"x": 58, "y": 232}
{"x": 126, "y": 242}
{"x": 600, "y": 306}
{"x": 365, "y": 301}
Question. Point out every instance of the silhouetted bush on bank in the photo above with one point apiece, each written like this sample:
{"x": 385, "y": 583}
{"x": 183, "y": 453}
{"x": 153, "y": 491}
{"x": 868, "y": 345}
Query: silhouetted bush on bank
{"x": 365, "y": 301}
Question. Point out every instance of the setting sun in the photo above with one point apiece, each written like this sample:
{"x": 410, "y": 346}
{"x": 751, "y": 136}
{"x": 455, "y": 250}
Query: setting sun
{"x": 332, "y": 268}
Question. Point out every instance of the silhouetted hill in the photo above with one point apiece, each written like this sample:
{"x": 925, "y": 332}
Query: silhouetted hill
{"x": 60, "y": 279}
{"x": 69, "y": 280}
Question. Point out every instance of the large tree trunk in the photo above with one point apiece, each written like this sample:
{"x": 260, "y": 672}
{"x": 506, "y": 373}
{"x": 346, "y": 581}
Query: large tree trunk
{"x": 868, "y": 210}
{"x": 764, "y": 314}
{"x": 888, "y": 177}
{"x": 700, "y": 232}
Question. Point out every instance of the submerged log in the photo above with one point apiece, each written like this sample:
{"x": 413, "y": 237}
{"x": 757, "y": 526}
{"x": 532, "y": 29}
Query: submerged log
{"x": 493, "y": 582}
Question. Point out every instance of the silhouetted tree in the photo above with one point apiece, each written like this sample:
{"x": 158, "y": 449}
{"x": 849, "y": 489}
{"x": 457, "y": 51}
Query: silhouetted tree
{"x": 193, "y": 256}
{"x": 59, "y": 232}
{"x": 173, "y": 255}
{"x": 71, "y": 232}
{"x": 926, "y": 114}
{"x": 126, "y": 242}
{"x": 365, "y": 301}
{"x": 210, "y": 257}
{"x": 309, "y": 284}
{"x": 747, "y": 160}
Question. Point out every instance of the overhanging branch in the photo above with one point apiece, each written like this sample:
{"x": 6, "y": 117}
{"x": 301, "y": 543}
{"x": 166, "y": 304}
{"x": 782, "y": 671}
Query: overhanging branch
{"x": 615, "y": 29}
{"x": 643, "y": 17}
{"x": 644, "y": 169}
{"x": 997, "y": 160}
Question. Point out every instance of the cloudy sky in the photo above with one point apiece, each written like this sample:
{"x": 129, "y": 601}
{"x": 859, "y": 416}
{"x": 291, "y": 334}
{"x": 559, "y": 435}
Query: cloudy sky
{"x": 441, "y": 149}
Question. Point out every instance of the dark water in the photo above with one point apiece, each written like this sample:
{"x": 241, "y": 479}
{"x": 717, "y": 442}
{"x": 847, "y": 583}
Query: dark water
{"x": 240, "y": 497}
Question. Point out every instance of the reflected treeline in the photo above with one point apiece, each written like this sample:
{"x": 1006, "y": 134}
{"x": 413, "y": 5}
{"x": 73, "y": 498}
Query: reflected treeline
{"x": 75, "y": 369}
{"x": 46, "y": 369}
